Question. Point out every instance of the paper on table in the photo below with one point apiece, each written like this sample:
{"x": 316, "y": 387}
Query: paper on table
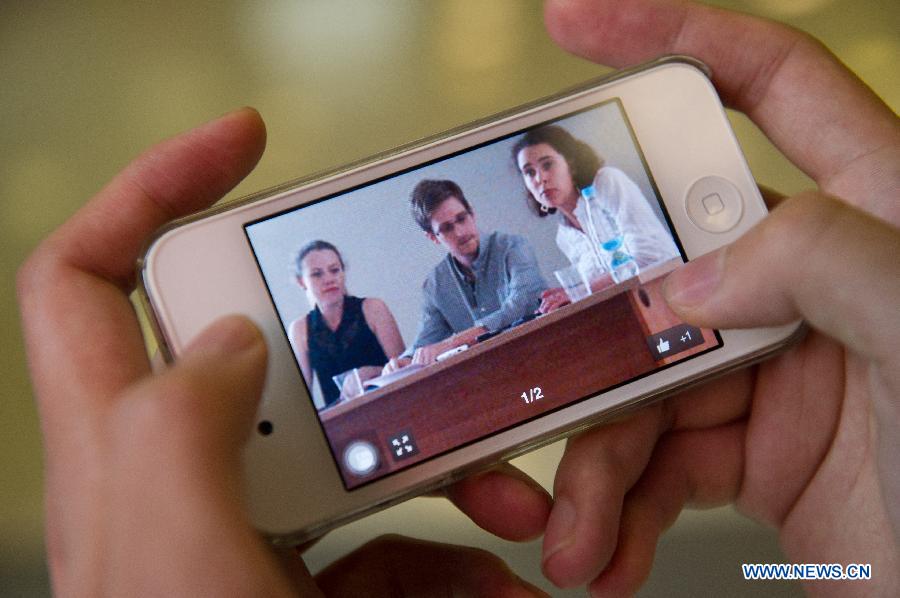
{"x": 380, "y": 381}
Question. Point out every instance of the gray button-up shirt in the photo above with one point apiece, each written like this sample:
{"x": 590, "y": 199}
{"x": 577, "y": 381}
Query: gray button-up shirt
{"x": 507, "y": 286}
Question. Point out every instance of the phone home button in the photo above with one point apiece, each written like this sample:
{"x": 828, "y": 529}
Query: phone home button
{"x": 714, "y": 204}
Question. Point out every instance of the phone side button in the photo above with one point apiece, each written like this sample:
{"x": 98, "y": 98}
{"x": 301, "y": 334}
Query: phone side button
{"x": 714, "y": 204}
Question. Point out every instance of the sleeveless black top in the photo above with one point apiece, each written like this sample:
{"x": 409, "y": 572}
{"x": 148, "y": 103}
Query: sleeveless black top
{"x": 352, "y": 345}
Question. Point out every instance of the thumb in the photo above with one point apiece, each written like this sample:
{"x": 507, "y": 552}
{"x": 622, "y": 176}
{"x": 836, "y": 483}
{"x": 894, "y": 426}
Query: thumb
{"x": 227, "y": 364}
{"x": 814, "y": 257}
{"x": 208, "y": 399}
{"x": 176, "y": 504}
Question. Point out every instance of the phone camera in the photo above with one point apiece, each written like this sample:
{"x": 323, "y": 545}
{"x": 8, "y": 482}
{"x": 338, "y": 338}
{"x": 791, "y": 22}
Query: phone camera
{"x": 265, "y": 427}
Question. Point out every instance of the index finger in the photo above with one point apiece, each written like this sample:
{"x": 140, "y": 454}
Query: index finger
{"x": 83, "y": 340}
{"x": 814, "y": 109}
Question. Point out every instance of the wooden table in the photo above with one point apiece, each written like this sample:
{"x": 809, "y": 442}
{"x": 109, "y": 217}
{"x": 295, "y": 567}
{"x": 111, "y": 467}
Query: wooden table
{"x": 570, "y": 354}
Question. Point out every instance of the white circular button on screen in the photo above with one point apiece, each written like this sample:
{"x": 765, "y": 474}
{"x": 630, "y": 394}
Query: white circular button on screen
{"x": 361, "y": 458}
{"x": 714, "y": 204}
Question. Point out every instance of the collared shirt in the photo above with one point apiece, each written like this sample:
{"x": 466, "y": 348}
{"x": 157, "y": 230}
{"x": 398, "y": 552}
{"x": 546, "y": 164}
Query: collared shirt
{"x": 506, "y": 285}
{"x": 646, "y": 238}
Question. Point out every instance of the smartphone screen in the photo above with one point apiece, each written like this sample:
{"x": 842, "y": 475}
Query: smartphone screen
{"x": 506, "y": 281}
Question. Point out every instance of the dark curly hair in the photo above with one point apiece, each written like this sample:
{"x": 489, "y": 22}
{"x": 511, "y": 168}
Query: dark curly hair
{"x": 583, "y": 161}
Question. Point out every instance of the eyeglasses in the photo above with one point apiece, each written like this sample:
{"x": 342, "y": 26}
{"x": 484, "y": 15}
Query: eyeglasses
{"x": 447, "y": 228}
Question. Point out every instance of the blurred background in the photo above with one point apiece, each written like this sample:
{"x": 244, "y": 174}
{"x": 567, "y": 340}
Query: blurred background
{"x": 87, "y": 85}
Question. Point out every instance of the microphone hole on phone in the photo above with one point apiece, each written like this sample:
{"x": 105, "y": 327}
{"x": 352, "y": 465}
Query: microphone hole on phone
{"x": 265, "y": 427}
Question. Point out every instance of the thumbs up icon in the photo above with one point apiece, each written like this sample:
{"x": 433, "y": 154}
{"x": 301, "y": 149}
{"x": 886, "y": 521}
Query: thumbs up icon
{"x": 663, "y": 346}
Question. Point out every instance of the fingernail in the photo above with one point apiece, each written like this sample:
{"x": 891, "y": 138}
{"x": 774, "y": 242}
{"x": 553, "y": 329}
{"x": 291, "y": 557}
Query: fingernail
{"x": 560, "y": 528}
{"x": 694, "y": 283}
{"x": 215, "y": 122}
{"x": 228, "y": 336}
{"x": 237, "y": 111}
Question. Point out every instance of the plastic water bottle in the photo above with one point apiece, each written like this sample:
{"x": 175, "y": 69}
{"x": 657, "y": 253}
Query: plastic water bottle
{"x": 609, "y": 238}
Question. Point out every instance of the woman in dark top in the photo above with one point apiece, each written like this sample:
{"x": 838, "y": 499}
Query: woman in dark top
{"x": 342, "y": 332}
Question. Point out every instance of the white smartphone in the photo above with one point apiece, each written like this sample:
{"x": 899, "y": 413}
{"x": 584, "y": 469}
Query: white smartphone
{"x": 449, "y": 248}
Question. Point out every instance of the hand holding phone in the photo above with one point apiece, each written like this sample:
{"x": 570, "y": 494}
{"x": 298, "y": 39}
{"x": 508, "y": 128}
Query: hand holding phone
{"x": 450, "y": 237}
{"x": 142, "y": 470}
{"x": 70, "y": 401}
{"x": 791, "y": 440}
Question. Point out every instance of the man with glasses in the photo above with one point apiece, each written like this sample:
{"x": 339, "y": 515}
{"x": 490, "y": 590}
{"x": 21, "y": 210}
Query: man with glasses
{"x": 482, "y": 285}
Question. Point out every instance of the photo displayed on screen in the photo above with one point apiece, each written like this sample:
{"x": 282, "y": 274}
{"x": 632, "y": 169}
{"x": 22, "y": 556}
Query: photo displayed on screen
{"x": 457, "y": 299}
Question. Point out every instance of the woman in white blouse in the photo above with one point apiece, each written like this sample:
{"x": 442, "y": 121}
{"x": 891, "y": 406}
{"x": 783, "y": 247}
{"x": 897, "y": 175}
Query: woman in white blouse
{"x": 555, "y": 167}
